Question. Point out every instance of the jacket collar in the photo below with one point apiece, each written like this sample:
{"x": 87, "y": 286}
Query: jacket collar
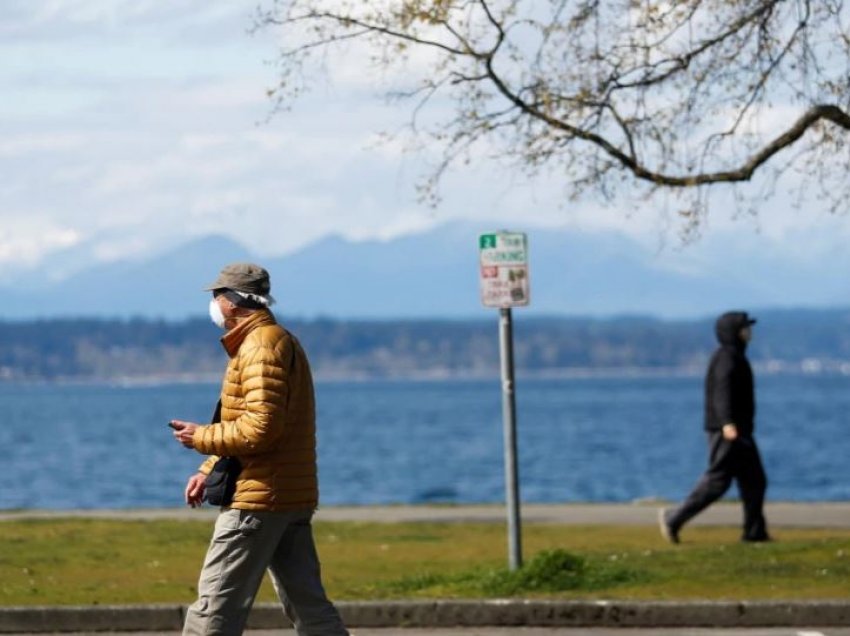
{"x": 233, "y": 339}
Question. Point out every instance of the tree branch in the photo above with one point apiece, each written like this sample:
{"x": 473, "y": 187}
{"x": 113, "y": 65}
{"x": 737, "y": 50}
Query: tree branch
{"x": 348, "y": 21}
{"x": 827, "y": 112}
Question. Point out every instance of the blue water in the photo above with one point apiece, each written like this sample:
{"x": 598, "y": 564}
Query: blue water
{"x": 586, "y": 439}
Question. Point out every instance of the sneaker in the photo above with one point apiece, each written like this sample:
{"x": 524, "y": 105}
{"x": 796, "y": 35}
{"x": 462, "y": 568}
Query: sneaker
{"x": 667, "y": 530}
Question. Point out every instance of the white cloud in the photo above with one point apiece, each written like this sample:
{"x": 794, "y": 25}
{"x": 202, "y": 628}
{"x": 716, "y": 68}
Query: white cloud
{"x": 186, "y": 20}
{"x": 20, "y": 146}
{"x": 24, "y": 241}
{"x": 405, "y": 222}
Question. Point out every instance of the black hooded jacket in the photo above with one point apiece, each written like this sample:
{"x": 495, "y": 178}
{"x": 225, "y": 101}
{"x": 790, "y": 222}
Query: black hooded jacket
{"x": 729, "y": 392}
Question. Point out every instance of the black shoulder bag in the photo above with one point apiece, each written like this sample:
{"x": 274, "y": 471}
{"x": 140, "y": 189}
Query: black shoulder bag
{"x": 220, "y": 484}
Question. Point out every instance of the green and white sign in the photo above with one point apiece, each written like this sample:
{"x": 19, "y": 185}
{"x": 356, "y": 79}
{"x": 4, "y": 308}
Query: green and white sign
{"x": 503, "y": 259}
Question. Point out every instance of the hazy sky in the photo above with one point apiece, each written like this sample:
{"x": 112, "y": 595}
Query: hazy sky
{"x": 132, "y": 125}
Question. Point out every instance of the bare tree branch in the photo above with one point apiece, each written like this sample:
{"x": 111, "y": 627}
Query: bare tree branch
{"x": 670, "y": 93}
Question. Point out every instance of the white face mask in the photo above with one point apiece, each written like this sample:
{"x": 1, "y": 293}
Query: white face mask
{"x": 215, "y": 314}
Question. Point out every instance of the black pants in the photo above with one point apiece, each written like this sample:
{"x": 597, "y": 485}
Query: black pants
{"x": 738, "y": 460}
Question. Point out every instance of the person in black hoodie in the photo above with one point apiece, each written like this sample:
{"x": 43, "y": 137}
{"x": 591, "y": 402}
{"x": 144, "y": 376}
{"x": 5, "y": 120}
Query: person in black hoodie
{"x": 729, "y": 419}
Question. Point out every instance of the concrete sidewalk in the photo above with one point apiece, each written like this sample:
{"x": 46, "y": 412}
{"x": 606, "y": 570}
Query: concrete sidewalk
{"x": 779, "y": 514}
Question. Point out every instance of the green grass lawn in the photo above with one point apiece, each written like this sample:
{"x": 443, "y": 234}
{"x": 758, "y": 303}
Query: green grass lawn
{"x": 78, "y": 561}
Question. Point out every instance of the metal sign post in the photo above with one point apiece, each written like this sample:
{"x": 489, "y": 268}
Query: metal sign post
{"x": 504, "y": 284}
{"x": 506, "y": 348}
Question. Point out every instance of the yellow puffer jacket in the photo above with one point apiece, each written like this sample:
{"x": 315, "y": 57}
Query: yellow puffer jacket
{"x": 268, "y": 418}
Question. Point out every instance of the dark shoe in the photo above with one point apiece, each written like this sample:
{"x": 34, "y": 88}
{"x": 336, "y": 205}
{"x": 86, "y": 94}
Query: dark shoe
{"x": 667, "y": 531}
{"x": 765, "y": 539}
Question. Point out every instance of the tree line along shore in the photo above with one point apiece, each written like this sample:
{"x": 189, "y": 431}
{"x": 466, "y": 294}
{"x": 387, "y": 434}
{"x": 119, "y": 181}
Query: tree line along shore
{"x": 94, "y": 349}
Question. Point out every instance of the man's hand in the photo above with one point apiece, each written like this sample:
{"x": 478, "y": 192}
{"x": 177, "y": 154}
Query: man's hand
{"x": 184, "y": 432}
{"x": 730, "y": 432}
{"x": 195, "y": 490}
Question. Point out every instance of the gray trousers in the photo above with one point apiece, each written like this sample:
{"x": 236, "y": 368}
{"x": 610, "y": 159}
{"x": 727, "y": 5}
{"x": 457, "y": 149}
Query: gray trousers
{"x": 245, "y": 544}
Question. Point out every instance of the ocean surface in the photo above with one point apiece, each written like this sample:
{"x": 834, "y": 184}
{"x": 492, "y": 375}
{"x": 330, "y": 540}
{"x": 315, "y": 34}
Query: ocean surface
{"x": 382, "y": 442}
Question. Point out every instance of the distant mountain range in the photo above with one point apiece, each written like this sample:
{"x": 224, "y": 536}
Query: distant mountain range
{"x": 435, "y": 274}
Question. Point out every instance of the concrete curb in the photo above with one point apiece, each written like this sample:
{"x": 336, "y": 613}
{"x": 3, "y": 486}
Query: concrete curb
{"x": 447, "y": 613}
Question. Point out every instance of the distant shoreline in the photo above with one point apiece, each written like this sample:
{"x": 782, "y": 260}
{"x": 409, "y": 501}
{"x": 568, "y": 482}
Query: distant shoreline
{"x": 154, "y": 353}
{"x": 431, "y": 376}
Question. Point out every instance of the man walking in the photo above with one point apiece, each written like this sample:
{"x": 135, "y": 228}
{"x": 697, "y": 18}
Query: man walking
{"x": 267, "y": 422}
{"x": 729, "y": 420}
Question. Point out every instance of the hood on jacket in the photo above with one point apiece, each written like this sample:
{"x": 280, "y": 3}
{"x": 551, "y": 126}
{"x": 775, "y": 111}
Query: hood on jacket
{"x": 728, "y": 328}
